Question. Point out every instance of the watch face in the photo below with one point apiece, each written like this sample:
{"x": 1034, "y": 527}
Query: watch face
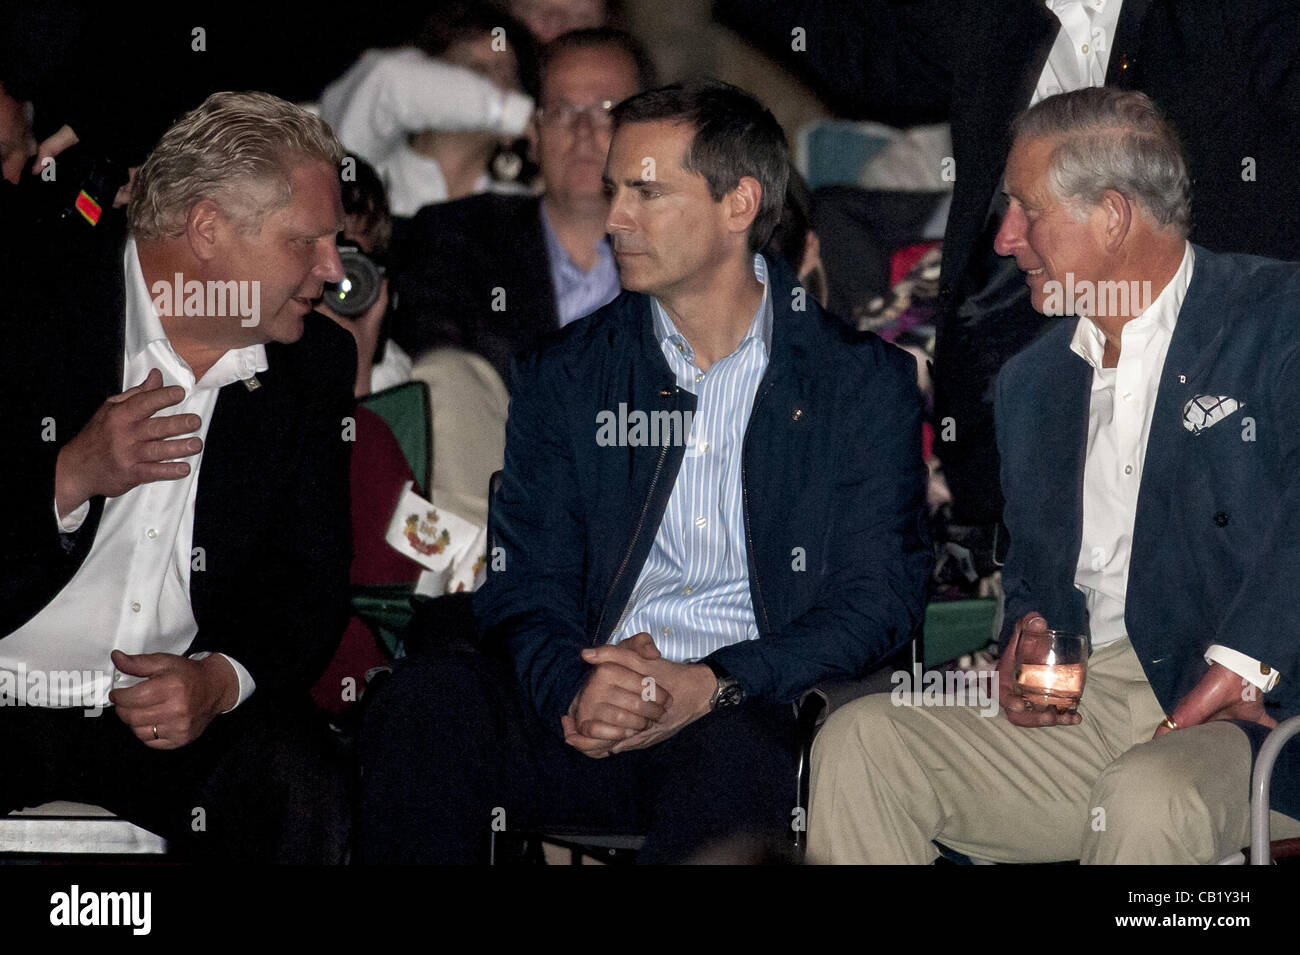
{"x": 730, "y": 694}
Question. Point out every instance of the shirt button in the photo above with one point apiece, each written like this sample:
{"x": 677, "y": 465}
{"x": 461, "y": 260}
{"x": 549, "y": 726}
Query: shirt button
{"x": 1128, "y": 469}
{"x": 151, "y": 533}
{"x": 665, "y": 630}
{"x": 1128, "y": 396}
{"x": 699, "y": 377}
{"x": 704, "y": 446}
{"x": 700, "y": 521}
{"x": 1084, "y": 48}
{"x": 680, "y": 347}
{"x": 688, "y": 590}
{"x": 135, "y": 606}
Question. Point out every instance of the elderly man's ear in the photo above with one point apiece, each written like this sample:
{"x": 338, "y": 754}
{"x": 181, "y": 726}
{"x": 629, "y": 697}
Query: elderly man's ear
{"x": 1118, "y": 213}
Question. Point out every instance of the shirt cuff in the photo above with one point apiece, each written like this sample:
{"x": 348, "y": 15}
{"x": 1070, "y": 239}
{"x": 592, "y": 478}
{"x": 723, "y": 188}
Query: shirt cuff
{"x": 246, "y": 683}
{"x": 1248, "y": 668}
{"x": 72, "y": 523}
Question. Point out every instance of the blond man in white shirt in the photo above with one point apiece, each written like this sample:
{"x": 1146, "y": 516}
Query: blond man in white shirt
{"x": 174, "y": 565}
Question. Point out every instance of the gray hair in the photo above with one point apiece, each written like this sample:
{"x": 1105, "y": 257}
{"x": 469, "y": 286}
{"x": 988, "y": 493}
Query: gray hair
{"x": 237, "y": 149}
{"x": 1108, "y": 138}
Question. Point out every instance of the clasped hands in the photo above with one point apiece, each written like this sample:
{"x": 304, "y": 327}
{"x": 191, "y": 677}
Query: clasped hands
{"x": 1220, "y": 694}
{"x": 633, "y": 698}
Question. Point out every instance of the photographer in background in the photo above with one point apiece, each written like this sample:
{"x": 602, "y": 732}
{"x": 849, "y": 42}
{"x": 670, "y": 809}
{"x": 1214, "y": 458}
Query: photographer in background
{"x": 360, "y": 302}
{"x": 437, "y": 117}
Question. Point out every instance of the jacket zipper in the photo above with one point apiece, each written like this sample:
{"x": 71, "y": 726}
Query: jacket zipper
{"x": 744, "y": 499}
{"x": 663, "y": 456}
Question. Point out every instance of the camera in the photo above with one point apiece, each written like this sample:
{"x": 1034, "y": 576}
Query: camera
{"x": 76, "y": 187}
{"x": 359, "y": 289}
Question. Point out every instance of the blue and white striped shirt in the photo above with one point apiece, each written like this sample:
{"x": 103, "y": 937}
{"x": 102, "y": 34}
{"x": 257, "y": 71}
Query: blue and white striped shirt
{"x": 578, "y": 292}
{"x": 693, "y": 593}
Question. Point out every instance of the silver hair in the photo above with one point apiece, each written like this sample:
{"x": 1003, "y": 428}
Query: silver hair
{"x": 237, "y": 149}
{"x": 1108, "y": 138}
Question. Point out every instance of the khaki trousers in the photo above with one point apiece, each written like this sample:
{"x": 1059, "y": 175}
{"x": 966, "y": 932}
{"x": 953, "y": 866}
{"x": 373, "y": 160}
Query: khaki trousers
{"x": 887, "y": 780}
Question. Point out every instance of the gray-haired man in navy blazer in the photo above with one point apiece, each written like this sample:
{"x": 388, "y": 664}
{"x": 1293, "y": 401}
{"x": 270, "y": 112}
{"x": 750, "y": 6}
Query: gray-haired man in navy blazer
{"x": 1149, "y": 463}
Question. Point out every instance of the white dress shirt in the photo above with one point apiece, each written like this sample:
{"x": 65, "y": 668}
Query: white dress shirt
{"x": 1120, "y": 410}
{"x": 1081, "y": 54}
{"x": 132, "y": 592}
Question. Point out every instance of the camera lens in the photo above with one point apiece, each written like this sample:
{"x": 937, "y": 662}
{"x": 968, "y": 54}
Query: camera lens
{"x": 360, "y": 286}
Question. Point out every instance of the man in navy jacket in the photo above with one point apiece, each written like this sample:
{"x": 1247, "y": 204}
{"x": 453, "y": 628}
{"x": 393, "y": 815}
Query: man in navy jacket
{"x": 1150, "y": 470}
{"x": 712, "y": 501}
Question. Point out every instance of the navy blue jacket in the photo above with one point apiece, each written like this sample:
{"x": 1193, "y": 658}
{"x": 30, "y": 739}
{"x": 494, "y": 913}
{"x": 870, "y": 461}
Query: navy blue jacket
{"x": 833, "y": 497}
{"x": 1216, "y": 542}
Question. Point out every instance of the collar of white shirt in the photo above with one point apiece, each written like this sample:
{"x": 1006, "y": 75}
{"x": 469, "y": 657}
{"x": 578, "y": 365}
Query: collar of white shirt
{"x": 1158, "y": 318}
{"x": 144, "y": 329}
{"x": 1092, "y": 6}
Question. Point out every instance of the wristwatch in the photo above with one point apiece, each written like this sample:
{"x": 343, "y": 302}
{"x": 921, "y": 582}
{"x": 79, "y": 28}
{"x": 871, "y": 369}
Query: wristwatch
{"x": 729, "y": 692}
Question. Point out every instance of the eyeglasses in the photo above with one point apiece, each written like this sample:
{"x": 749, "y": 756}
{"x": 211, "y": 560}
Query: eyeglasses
{"x": 565, "y": 114}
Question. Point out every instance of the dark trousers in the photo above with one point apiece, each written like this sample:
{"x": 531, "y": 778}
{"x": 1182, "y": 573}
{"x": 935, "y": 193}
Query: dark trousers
{"x": 264, "y": 783}
{"x": 449, "y": 746}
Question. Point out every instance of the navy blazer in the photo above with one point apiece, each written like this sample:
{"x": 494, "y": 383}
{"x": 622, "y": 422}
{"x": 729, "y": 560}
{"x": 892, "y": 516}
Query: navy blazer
{"x": 1216, "y": 543}
{"x": 834, "y": 501}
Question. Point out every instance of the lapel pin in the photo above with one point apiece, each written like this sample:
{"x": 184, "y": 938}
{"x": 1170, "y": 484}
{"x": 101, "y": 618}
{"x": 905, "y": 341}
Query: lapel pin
{"x": 1182, "y": 379}
{"x": 798, "y": 413}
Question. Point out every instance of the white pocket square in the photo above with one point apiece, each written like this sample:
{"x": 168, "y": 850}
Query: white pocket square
{"x": 1203, "y": 411}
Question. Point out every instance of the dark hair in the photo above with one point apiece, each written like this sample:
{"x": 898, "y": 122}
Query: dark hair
{"x": 462, "y": 20}
{"x": 735, "y": 136}
{"x": 790, "y": 236}
{"x": 365, "y": 198}
{"x": 590, "y": 38}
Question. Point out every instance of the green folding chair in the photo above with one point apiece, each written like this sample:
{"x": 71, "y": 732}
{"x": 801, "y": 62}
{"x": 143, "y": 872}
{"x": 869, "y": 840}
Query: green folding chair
{"x": 386, "y": 608}
{"x": 405, "y": 409}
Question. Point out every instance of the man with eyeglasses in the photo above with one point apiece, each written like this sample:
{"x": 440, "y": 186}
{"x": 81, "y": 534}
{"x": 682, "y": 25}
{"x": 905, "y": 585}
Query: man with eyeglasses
{"x": 493, "y": 273}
